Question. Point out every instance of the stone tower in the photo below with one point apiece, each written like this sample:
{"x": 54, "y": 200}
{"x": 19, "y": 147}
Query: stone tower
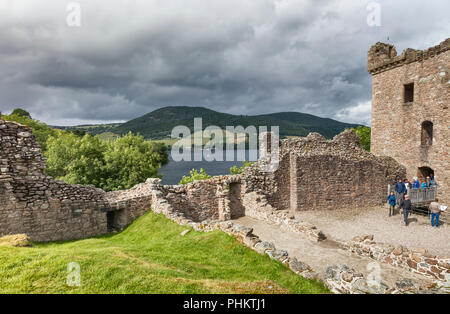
{"x": 410, "y": 110}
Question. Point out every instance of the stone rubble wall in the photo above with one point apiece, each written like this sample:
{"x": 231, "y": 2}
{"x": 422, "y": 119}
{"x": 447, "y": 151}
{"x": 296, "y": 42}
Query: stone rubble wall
{"x": 49, "y": 210}
{"x": 32, "y": 203}
{"x": 319, "y": 174}
{"x": 416, "y": 260}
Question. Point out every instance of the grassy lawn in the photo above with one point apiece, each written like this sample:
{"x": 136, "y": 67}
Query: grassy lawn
{"x": 150, "y": 256}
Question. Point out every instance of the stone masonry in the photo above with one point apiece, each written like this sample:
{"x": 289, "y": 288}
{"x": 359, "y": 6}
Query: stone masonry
{"x": 317, "y": 174}
{"x": 410, "y": 110}
{"x": 49, "y": 210}
{"x": 321, "y": 175}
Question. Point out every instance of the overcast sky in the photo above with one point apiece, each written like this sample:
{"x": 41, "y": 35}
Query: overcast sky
{"x": 128, "y": 58}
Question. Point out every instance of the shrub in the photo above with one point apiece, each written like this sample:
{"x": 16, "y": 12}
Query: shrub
{"x": 239, "y": 170}
{"x": 195, "y": 175}
{"x": 110, "y": 165}
{"x": 364, "y": 136}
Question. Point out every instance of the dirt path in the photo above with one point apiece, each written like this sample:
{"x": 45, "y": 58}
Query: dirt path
{"x": 321, "y": 255}
{"x": 345, "y": 224}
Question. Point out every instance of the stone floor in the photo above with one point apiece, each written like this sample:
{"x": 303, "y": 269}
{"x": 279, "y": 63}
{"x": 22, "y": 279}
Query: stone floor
{"x": 321, "y": 255}
{"x": 346, "y": 224}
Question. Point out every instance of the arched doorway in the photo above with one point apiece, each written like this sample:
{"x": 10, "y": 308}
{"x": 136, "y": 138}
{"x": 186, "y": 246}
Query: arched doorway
{"x": 424, "y": 172}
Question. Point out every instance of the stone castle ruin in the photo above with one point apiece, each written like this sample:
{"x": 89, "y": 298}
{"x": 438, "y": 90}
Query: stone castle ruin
{"x": 313, "y": 174}
{"x": 410, "y": 110}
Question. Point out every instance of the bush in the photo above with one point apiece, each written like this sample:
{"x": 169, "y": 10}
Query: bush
{"x": 194, "y": 175}
{"x": 110, "y": 165}
{"x": 21, "y": 113}
{"x": 130, "y": 160}
{"x": 364, "y": 136}
{"x": 239, "y": 170}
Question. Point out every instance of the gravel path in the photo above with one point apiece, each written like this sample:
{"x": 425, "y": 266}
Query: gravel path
{"x": 321, "y": 255}
{"x": 346, "y": 224}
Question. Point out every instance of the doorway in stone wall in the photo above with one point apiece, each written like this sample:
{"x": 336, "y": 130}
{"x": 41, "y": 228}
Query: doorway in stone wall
{"x": 236, "y": 208}
{"x": 424, "y": 172}
{"x": 113, "y": 220}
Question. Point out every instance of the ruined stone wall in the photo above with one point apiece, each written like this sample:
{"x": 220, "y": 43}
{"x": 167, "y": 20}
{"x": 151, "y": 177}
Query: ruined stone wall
{"x": 50, "y": 210}
{"x": 317, "y": 174}
{"x": 32, "y": 203}
{"x": 313, "y": 174}
{"x": 396, "y": 124}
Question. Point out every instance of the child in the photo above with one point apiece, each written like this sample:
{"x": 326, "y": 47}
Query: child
{"x": 392, "y": 201}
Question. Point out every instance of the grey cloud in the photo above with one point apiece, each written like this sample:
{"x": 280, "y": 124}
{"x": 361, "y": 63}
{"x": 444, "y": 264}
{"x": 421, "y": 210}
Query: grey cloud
{"x": 245, "y": 57}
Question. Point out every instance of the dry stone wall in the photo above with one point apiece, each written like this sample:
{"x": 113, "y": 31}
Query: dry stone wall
{"x": 317, "y": 174}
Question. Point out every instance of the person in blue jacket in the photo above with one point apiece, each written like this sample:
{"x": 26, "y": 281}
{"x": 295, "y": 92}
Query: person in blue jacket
{"x": 416, "y": 184}
{"x": 392, "y": 201}
{"x": 424, "y": 185}
{"x": 400, "y": 190}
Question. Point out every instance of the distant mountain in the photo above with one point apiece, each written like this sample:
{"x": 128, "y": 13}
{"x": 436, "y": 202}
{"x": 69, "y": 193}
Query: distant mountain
{"x": 158, "y": 124}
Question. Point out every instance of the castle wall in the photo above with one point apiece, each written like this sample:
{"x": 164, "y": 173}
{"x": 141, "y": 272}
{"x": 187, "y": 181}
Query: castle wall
{"x": 317, "y": 174}
{"x": 313, "y": 174}
{"x": 396, "y": 125}
{"x": 32, "y": 203}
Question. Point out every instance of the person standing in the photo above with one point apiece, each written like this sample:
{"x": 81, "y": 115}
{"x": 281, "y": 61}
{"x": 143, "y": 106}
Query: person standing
{"x": 416, "y": 184}
{"x": 406, "y": 205}
{"x": 435, "y": 210}
{"x": 392, "y": 202}
{"x": 400, "y": 190}
{"x": 407, "y": 186}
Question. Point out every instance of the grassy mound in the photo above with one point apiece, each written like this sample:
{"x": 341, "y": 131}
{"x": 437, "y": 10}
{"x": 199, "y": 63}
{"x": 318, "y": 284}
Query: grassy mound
{"x": 150, "y": 256}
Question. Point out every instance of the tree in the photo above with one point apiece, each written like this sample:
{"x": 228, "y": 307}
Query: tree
{"x": 21, "y": 113}
{"x": 364, "y": 136}
{"x": 195, "y": 175}
{"x": 76, "y": 160}
{"x": 130, "y": 160}
{"x": 110, "y": 165}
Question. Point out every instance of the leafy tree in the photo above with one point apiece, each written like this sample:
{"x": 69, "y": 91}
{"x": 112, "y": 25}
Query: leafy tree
{"x": 130, "y": 160}
{"x": 76, "y": 160}
{"x": 78, "y": 132}
{"x": 110, "y": 165}
{"x": 239, "y": 170}
{"x": 364, "y": 136}
{"x": 40, "y": 130}
{"x": 195, "y": 175}
{"x": 21, "y": 113}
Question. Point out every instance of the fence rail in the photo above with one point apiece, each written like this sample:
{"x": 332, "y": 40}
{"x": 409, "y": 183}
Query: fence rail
{"x": 422, "y": 195}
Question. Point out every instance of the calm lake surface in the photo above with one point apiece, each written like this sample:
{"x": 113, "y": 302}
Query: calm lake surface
{"x": 175, "y": 170}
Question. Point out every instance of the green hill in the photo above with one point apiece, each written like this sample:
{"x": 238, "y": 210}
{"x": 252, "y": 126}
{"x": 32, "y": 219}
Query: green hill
{"x": 158, "y": 124}
{"x": 150, "y": 256}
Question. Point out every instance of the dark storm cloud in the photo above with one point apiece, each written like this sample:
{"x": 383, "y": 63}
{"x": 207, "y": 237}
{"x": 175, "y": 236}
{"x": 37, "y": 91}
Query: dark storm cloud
{"x": 246, "y": 57}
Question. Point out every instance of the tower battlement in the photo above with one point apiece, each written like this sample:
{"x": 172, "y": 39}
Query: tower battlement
{"x": 383, "y": 57}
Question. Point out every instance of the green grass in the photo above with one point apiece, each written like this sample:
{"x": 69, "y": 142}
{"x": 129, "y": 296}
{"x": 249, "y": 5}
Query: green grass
{"x": 149, "y": 256}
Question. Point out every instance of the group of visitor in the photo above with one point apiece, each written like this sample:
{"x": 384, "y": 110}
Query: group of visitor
{"x": 428, "y": 182}
{"x": 399, "y": 197}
